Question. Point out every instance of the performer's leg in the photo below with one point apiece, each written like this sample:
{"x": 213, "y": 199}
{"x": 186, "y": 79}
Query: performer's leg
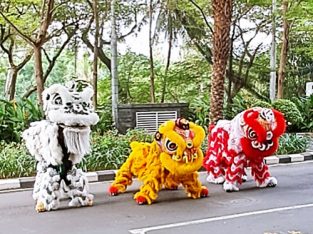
{"x": 78, "y": 188}
{"x": 193, "y": 186}
{"x": 123, "y": 178}
{"x": 46, "y": 190}
{"x": 170, "y": 182}
{"x": 234, "y": 173}
{"x": 262, "y": 175}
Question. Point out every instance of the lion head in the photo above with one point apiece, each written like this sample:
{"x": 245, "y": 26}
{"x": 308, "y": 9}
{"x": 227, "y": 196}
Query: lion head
{"x": 262, "y": 128}
{"x": 70, "y": 105}
{"x": 180, "y": 145}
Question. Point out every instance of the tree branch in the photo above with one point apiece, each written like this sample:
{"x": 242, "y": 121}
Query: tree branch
{"x": 203, "y": 15}
{"x": 22, "y": 35}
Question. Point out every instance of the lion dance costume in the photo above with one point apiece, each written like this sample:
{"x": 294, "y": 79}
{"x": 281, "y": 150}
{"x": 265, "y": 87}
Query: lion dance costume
{"x": 244, "y": 142}
{"x": 60, "y": 142}
{"x": 173, "y": 158}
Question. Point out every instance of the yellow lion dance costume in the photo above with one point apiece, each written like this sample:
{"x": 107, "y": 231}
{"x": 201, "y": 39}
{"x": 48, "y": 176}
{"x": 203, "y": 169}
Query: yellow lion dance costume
{"x": 173, "y": 158}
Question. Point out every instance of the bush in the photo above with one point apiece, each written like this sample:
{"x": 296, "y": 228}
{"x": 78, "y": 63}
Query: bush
{"x": 15, "y": 160}
{"x": 105, "y": 119}
{"x": 291, "y": 112}
{"x": 15, "y": 117}
{"x": 110, "y": 150}
{"x": 305, "y": 106}
{"x": 199, "y": 110}
{"x": 241, "y": 103}
{"x": 292, "y": 144}
{"x": 260, "y": 103}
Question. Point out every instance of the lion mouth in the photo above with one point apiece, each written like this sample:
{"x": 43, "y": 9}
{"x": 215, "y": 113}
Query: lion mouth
{"x": 76, "y": 127}
{"x": 187, "y": 157}
{"x": 262, "y": 146}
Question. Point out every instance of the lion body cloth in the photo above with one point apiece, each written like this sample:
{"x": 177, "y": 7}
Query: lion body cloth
{"x": 59, "y": 142}
{"x": 173, "y": 158}
{"x": 243, "y": 142}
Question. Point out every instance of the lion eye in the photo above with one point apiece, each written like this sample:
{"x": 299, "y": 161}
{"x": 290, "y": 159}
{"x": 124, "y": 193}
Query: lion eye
{"x": 170, "y": 146}
{"x": 251, "y": 134}
{"x": 269, "y": 135}
{"x": 57, "y": 100}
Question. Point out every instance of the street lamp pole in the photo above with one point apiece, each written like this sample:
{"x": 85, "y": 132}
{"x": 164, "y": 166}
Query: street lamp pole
{"x": 273, "y": 54}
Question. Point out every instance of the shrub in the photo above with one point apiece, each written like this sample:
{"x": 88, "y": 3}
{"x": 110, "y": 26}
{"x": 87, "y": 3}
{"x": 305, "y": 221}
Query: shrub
{"x": 15, "y": 117}
{"x": 110, "y": 150}
{"x": 305, "y": 106}
{"x": 15, "y": 160}
{"x": 291, "y": 112}
{"x": 105, "y": 119}
{"x": 292, "y": 144}
{"x": 241, "y": 103}
{"x": 260, "y": 103}
{"x": 199, "y": 110}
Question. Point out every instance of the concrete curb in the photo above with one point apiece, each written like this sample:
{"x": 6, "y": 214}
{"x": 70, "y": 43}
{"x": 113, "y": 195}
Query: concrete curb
{"x": 108, "y": 175}
{"x": 290, "y": 158}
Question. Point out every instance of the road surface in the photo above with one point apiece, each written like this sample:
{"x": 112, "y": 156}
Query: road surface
{"x": 286, "y": 209}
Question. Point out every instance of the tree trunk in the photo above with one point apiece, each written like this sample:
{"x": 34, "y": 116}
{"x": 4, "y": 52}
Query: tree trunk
{"x": 284, "y": 51}
{"x": 95, "y": 52}
{"x": 168, "y": 60}
{"x": 222, "y": 11}
{"x": 38, "y": 73}
{"x": 152, "y": 94}
{"x": 10, "y": 83}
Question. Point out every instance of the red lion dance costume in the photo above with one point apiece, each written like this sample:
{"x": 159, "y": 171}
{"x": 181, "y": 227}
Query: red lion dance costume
{"x": 243, "y": 142}
{"x": 173, "y": 158}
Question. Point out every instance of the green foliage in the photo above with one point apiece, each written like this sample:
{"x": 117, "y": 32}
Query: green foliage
{"x": 199, "y": 109}
{"x": 240, "y": 103}
{"x": 292, "y": 144}
{"x": 260, "y": 103}
{"x": 291, "y": 112}
{"x": 305, "y": 106}
{"x": 15, "y": 117}
{"x": 15, "y": 161}
{"x": 243, "y": 102}
{"x": 105, "y": 119}
{"x": 110, "y": 150}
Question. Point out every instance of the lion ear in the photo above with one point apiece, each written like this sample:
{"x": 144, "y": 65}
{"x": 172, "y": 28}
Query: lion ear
{"x": 280, "y": 123}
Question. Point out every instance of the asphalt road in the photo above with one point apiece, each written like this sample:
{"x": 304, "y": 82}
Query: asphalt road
{"x": 286, "y": 209}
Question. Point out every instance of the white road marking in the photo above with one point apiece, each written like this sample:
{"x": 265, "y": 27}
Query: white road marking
{"x": 207, "y": 220}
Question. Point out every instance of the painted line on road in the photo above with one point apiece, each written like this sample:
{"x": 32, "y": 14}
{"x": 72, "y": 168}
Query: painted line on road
{"x": 207, "y": 220}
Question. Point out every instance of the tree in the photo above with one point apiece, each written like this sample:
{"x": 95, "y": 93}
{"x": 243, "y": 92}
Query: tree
{"x": 152, "y": 77}
{"x": 284, "y": 50}
{"x": 55, "y": 17}
{"x": 8, "y": 43}
{"x": 36, "y": 42}
{"x": 95, "y": 52}
{"x": 222, "y": 13}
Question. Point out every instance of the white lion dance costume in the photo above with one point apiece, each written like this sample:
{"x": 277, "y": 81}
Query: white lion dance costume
{"x": 60, "y": 142}
{"x": 173, "y": 158}
{"x": 244, "y": 142}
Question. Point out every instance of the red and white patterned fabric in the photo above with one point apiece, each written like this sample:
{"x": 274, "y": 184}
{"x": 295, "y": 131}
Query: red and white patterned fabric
{"x": 243, "y": 142}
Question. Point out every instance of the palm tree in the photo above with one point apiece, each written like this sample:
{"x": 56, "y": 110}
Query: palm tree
{"x": 222, "y": 12}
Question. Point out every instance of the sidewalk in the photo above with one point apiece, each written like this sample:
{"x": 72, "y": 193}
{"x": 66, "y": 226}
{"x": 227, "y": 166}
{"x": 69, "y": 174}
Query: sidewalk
{"x": 108, "y": 175}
